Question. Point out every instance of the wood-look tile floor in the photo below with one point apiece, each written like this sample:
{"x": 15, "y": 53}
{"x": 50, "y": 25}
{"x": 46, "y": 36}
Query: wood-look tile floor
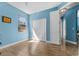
{"x": 38, "y": 49}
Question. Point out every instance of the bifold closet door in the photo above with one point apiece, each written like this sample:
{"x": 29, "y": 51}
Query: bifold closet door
{"x": 54, "y": 27}
{"x": 39, "y": 29}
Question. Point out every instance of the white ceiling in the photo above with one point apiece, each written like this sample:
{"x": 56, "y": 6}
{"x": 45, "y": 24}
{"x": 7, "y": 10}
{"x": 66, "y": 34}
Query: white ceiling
{"x": 32, "y": 7}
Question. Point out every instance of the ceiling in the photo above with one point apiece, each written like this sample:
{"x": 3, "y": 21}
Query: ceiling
{"x": 32, "y": 7}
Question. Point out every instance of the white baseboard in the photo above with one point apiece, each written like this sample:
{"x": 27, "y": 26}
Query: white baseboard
{"x": 8, "y": 45}
{"x": 51, "y": 42}
{"x": 66, "y": 41}
{"x": 71, "y": 42}
{"x": 48, "y": 42}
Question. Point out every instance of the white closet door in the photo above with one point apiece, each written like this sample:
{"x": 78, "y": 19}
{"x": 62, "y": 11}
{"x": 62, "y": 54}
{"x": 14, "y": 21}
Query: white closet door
{"x": 39, "y": 29}
{"x": 54, "y": 27}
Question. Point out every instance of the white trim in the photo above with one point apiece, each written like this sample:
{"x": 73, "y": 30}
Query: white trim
{"x": 60, "y": 44}
{"x": 54, "y": 27}
{"x": 48, "y": 42}
{"x": 71, "y": 42}
{"x": 11, "y": 44}
{"x": 52, "y": 42}
{"x": 66, "y": 5}
{"x": 69, "y": 5}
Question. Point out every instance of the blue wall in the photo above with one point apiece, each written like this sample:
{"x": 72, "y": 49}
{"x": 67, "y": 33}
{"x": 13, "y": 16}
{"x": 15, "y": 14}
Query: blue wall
{"x": 9, "y": 31}
{"x": 45, "y": 14}
{"x": 71, "y": 21}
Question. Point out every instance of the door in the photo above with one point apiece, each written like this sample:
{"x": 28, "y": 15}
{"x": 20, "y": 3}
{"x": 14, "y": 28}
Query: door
{"x": 39, "y": 29}
{"x": 54, "y": 27}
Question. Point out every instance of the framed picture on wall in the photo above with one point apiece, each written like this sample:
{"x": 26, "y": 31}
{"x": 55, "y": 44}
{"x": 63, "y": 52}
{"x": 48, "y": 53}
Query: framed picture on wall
{"x": 21, "y": 24}
{"x": 6, "y": 19}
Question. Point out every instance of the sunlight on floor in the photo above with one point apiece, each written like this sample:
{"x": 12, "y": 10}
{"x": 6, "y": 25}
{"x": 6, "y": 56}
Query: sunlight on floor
{"x": 35, "y": 42}
{"x": 35, "y": 37}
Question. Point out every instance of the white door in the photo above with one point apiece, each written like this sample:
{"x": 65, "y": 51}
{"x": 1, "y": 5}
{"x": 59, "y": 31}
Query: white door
{"x": 54, "y": 27}
{"x": 39, "y": 29}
